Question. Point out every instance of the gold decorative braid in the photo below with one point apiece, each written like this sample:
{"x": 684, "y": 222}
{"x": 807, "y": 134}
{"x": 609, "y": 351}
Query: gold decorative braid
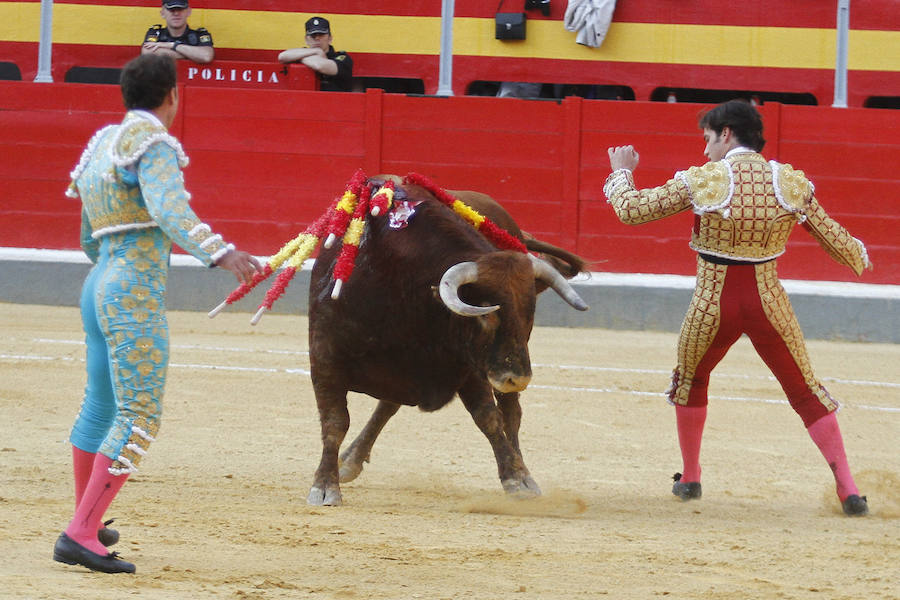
{"x": 634, "y": 207}
{"x": 778, "y": 310}
{"x": 125, "y": 212}
{"x": 136, "y": 440}
{"x": 135, "y": 134}
{"x": 834, "y": 239}
{"x": 699, "y": 328}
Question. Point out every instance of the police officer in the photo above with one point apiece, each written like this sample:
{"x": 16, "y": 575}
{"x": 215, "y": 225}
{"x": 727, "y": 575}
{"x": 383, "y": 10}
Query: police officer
{"x": 335, "y": 69}
{"x": 176, "y": 39}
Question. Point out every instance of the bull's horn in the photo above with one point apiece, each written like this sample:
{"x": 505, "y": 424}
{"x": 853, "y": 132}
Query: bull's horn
{"x": 455, "y": 276}
{"x": 546, "y": 273}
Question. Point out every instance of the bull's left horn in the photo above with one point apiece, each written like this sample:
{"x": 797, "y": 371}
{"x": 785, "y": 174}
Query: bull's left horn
{"x": 457, "y": 275}
{"x": 546, "y": 273}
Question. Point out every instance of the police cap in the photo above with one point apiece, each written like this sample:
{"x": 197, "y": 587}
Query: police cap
{"x": 317, "y": 25}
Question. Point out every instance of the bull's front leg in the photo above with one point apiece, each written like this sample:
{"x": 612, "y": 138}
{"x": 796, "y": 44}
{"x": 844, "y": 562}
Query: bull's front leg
{"x": 335, "y": 420}
{"x": 509, "y": 406}
{"x": 358, "y": 451}
{"x": 477, "y": 397}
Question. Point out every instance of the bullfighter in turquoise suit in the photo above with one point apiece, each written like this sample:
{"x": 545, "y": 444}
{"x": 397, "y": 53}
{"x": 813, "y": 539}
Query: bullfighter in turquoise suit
{"x": 134, "y": 206}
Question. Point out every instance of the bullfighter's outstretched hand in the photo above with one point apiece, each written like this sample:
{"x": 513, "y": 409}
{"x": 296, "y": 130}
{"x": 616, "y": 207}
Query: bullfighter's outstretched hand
{"x": 623, "y": 157}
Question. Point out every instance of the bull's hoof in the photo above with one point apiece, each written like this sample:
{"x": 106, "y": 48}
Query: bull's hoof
{"x": 349, "y": 471}
{"x": 350, "y": 467}
{"x": 522, "y": 488}
{"x": 330, "y": 496}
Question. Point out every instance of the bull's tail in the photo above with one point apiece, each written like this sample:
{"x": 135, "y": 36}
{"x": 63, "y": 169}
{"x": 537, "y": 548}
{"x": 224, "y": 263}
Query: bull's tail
{"x": 567, "y": 263}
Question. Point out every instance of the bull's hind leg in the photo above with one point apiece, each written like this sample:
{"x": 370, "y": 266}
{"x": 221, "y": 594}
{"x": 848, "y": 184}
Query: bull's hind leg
{"x": 514, "y": 475}
{"x": 358, "y": 451}
{"x": 335, "y": 420}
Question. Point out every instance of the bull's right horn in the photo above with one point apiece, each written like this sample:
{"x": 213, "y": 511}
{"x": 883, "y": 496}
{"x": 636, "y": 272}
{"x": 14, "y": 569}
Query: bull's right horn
{"x": 546, "y": 273}
{"x": 457, "y": 275}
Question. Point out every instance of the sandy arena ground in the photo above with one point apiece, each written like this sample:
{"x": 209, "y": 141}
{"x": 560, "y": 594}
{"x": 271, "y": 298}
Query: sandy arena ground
{"x": 218, "y": 509}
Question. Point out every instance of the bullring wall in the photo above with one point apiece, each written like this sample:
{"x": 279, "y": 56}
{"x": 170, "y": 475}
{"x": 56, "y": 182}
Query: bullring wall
{"x": 265, "y": 163}
{"x": 825, "y": 310}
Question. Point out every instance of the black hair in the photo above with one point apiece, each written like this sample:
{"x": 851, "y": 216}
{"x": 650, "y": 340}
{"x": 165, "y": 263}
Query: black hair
{"x": 147, "y": 80}
{"x": 741, "y": 118}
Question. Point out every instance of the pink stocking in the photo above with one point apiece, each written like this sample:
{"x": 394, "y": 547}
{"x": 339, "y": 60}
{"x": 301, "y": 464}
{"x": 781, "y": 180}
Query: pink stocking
{"x": 82, "y": 465}
{"x": 98, "y": 495}
{"x": 690, "y": 420}
{"x": 827, "y": 436}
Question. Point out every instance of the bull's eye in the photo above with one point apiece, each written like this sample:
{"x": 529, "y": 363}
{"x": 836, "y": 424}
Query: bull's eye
{"x": 488, "y": 322}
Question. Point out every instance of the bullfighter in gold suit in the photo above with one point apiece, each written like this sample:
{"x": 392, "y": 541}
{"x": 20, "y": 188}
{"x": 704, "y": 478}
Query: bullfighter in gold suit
{"x": 745, "y": 208}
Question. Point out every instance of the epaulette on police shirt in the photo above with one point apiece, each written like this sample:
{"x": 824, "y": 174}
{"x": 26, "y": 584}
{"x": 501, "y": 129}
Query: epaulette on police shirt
{"x": 710, "y": 185}
{"x": 153, "y": 33}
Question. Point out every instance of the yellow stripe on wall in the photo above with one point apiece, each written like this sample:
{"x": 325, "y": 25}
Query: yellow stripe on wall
{"x": 788, "y": 47}
{"x": 253, "y": 30}
{"x": 103, "y": 25}
{"x": 380, "y": 34}
{"x": 20, "y": 21}
{"x": 874, "y": 50}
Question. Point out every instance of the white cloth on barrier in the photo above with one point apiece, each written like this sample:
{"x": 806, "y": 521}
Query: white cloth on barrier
{"x": 591, "y": 19}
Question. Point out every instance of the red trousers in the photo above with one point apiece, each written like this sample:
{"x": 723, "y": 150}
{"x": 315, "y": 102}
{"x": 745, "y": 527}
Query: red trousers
{"x": 731, "y": 300}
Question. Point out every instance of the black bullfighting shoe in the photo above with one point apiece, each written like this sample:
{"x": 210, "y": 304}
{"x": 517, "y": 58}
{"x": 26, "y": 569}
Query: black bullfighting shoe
{"x": 855, "y": 506}
{"x": 108, "y": 537}
{"x": 70, "y": 552}
{"x": 686, "y": 491}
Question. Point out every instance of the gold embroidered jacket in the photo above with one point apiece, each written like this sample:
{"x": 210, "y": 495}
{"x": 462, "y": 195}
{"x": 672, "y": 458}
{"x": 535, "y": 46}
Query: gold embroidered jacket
{"x": 744, "y": 207}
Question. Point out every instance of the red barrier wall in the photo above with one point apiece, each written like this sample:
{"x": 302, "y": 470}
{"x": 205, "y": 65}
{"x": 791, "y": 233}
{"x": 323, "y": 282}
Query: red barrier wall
{"x": 264, "y": 163}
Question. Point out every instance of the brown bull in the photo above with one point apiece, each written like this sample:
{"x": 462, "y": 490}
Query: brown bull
{"x": 433, "y": 310}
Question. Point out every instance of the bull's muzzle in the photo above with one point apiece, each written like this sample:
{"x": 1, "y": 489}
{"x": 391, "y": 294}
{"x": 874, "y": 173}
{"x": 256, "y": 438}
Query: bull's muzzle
{"x": 508, "y": 381}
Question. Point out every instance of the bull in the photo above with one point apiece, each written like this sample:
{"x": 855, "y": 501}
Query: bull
{"x": 433, "y": 310}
